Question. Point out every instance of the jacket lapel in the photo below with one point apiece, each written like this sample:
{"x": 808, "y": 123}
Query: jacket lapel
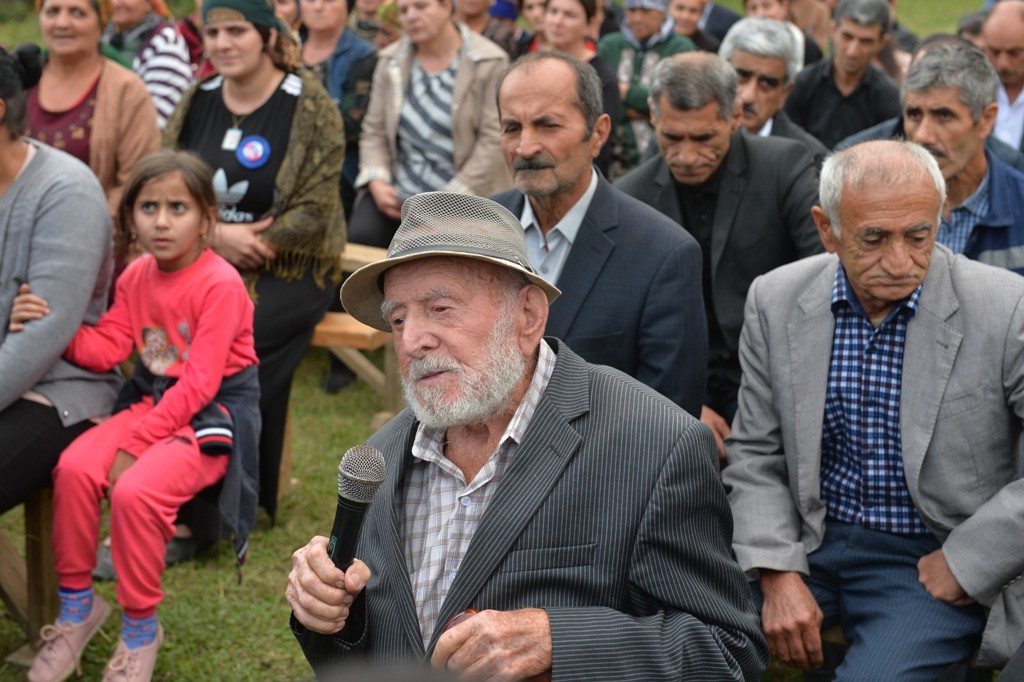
{"x": 389, "y": 504}
{"x": 587, "y": 258}
{"x": 730, "y": 194}
{"x": 931, "y": 347}
{"x": 665, "y": 199}
{"x": 809, "y": 337}
{"x": 547, "y": 448}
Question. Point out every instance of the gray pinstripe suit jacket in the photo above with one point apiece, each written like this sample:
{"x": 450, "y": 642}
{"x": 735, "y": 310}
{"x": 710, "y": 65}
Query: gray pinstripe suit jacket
{"x": 611, "y": 517}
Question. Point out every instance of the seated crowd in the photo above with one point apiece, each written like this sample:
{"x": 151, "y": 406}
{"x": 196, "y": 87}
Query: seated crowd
{"x": 795, "y": 237}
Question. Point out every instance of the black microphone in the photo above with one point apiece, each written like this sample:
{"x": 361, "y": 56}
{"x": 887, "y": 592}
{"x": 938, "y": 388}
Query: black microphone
{"x": 360, "y": 474}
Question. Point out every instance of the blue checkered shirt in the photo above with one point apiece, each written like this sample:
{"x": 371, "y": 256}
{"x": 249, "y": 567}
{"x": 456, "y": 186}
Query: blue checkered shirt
{"x": 955, "y": 233}
{"x": 862, "y": 479}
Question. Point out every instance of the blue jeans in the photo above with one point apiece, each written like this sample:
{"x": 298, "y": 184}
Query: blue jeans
{"x": 867, "y": 581}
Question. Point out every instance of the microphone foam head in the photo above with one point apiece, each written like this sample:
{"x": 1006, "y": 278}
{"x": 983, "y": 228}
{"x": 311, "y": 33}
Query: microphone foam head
{"x": 360, "y": 474}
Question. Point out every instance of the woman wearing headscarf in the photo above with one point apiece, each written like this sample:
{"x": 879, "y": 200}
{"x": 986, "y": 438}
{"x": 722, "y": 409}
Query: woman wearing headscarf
{"x": 273, "y": 136}
{"x": 85, "y": 104}
{"x": 143, "y": 36}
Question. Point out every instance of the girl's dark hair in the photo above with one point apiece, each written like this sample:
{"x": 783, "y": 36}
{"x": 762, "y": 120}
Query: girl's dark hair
{"x": 194, "y": 172}
{"x": 19, "y": 71}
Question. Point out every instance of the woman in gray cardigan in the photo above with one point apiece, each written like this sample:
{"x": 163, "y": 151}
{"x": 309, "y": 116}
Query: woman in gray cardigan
{"x": 54, "y": 233}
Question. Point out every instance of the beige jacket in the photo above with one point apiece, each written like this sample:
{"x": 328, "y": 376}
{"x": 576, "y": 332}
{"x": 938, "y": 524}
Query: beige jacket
{"x": 123, "y": 129}
{"x": 481, "y": 170}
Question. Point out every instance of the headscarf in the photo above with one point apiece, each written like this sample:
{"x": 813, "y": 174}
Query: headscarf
{"x": 256, "y": 12}
{"x": 102, "y": 8}
{"x": 387, "y": 13}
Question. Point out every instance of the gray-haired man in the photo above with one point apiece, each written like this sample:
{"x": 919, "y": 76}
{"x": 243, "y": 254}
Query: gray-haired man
{"x": 949, "y": 107}
{"x": 746, "y": 199}
{"x": 873, "y": 463}
{"x": 766, "y": 59}
{"x": 577, "y": 512}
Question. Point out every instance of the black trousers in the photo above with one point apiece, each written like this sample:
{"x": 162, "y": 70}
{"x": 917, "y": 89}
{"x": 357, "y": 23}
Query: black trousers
{"x": 31, "y": 440}
{"x": 368, "y": 225}
{"x": 286, "y": 314}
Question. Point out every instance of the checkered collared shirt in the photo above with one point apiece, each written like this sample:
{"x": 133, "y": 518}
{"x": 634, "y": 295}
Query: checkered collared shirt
{"x": 862, "y": 478}
{"x": 955, "y": 234}
{"x": 442, "y": 510}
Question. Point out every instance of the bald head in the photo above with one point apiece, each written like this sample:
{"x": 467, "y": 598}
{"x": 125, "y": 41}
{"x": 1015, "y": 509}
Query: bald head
{"x": 1003, "y": 34}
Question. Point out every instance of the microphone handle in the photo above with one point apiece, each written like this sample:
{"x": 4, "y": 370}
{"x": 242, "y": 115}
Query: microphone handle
{"x": 345, "y": 533}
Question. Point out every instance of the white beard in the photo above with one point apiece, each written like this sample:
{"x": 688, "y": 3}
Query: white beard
{"x": 482, "y": 393}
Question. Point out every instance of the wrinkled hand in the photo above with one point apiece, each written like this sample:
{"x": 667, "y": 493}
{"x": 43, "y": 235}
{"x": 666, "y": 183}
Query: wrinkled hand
{"x": 319, "y": 592}
{"x": 122, "y": 460}
{"x": 26, "y": 307}
{"x": 241, "y": 244}
{"x": 791, "y": 619}
{"x": 385, "y": 195}
{"x": 497, "y": 645}
{"x": 719, "y": 427}
{"x": 933, "y": 572}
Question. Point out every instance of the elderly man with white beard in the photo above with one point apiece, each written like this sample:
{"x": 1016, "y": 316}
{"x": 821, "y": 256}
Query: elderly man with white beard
{"x": 541, "y": 518}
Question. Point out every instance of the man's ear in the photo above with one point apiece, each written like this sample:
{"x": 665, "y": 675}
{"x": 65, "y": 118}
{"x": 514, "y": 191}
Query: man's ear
{"x": 737, "y": 116}
{"x": 987, "y": 120}
{"x": 824, "y": 225}
{"x": 532, "y": 306}
{"x": 598, "y": 138}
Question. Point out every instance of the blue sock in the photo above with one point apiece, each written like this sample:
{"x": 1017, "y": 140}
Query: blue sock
{"x": 138, "y": 632}
{"x": 75, "y": 606}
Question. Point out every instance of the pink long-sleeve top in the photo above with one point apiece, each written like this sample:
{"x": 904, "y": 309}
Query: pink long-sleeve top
{"x": 195, "y": 324}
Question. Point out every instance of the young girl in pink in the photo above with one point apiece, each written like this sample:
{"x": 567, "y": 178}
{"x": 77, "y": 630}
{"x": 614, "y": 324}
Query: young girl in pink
{"x": 186, "y": 311}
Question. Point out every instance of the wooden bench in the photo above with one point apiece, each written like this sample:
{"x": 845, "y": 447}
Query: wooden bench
{"x": 348, "y": 338}
{"x": 28, "y": 584}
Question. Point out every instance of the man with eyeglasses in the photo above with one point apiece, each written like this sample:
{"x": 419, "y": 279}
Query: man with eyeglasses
{"x": 766, "y": 60}
{"x": 746, "y": 199}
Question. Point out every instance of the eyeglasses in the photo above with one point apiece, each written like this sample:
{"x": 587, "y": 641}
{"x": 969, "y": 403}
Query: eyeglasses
{"x": 765, "y": 83}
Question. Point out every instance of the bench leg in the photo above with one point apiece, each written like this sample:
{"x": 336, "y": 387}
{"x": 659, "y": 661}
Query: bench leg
{"x": 43, "y": 602}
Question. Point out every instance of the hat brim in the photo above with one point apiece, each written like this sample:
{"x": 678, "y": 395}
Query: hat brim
{"x": 362, "y": 295}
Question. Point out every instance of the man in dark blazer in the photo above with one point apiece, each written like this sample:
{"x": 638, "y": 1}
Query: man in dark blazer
{"x": 538, "y": 515}
{"x": 717, "y": 19}
{"x": 746, "y": 199}
{"x": 630, "y": 278}
{"x": 767, "y": 59}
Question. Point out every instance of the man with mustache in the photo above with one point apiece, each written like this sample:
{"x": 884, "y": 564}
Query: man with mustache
{"x": 874, "y": 461}
{"x": 630, "y": 278}
{"x": 949, "y": 108}
{"x": 766, "y": 59}
{"x": 747, "y": 200}
{"x": 541, "y": 518}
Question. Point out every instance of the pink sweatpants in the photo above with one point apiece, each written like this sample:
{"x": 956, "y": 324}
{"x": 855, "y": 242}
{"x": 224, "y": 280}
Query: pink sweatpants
{"x": 143, "y": 507}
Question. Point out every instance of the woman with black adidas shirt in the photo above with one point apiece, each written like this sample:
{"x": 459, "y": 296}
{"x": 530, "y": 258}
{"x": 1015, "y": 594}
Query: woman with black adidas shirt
{"x": 274, "y": 139}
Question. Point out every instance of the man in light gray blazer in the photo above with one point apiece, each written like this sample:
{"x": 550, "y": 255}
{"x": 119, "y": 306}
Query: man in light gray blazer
{"x": 873, "y": 461}
{"x": 569, "y": 516}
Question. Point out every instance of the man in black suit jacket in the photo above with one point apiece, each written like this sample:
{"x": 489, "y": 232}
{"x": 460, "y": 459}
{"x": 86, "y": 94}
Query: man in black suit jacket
{"x": 717, "y": 20}
{"x": 538, "y": 515}
{"x": 767, "y": 59}
{"x": 630, "y": 278}
{"x": 746, "y": 199}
